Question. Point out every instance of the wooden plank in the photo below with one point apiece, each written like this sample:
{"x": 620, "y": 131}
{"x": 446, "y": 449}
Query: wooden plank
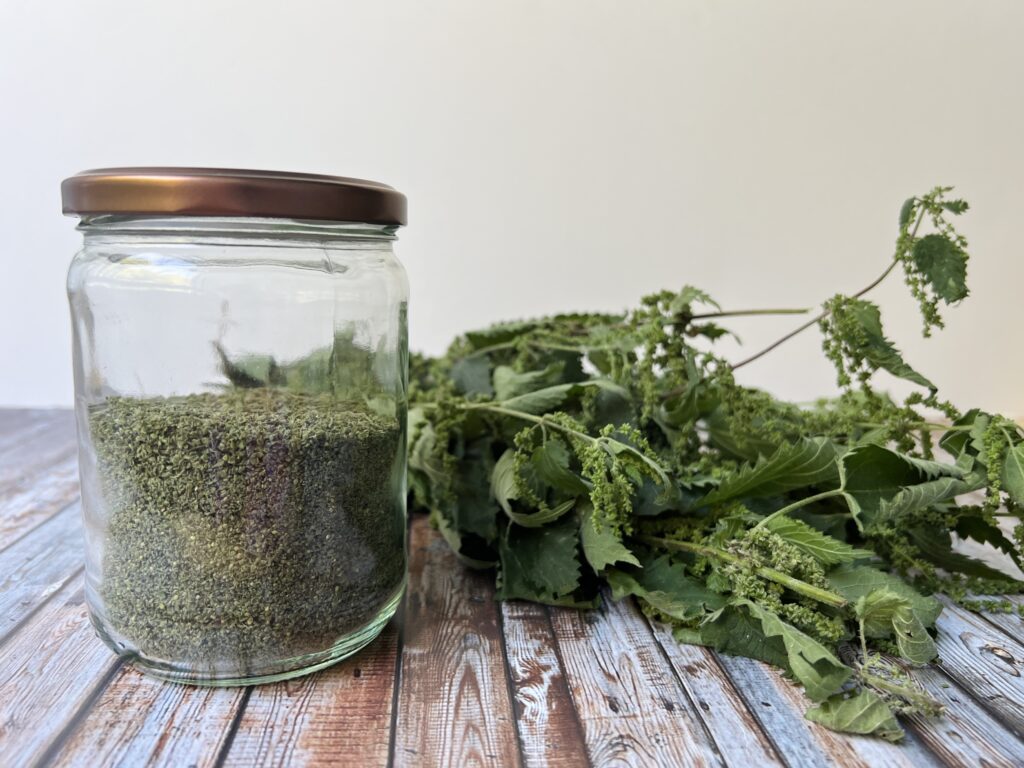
{"x": 14, "y": 420}
{"x": 453, "y": 703}
{"x": 138, "y": 720}
{"x": 779, "y": 706}
{"x": 340, "y": 716}
{"x": 53, "y": 668}
{"x": 966, "y": 734}
{"x": 725, "y": 714}
{"x": 38, "y": 496}
{"x": 18, "y": 425}
{"x": 42, "y": 443}
{"x": 985, "y": 662}
{"x": 36, "y": 566}
{"x": 632, "y": 708}
{"x": 546, "y": 717}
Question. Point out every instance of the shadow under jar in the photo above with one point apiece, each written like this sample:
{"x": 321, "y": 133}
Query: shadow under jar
{"x": 240, "y": 358}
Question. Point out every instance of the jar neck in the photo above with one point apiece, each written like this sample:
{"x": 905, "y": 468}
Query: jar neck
{"x": 280, "y": 232}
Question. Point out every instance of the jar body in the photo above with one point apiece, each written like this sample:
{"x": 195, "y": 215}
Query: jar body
{"x": 241, "y": 404}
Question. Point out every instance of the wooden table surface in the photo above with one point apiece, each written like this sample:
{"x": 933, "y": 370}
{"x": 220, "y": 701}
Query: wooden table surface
{"x": 456, "y": 680}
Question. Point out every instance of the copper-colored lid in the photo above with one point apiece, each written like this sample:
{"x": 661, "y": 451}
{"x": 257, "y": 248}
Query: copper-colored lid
{"x": 228, "y": 192}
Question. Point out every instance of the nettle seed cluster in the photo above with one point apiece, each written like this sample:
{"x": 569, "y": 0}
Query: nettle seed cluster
{"x": 251, "y": 525}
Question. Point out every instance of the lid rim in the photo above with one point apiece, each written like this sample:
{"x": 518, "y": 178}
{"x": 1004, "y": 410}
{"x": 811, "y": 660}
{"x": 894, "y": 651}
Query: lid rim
{"x": 233, "y": 193}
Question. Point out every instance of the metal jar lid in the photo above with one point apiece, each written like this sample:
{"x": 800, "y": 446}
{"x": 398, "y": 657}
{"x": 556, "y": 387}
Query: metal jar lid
{"x": 230, "y": 192}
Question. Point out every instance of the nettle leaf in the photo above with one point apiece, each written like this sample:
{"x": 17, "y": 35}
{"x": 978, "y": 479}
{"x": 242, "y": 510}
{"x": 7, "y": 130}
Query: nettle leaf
{"x": 912, "y": 638}
{"x": 665, "y": 586}
{"x": 682, "y": 303}
{"x": 472, "y": 375}
{"x": 825, "y": 549}
{"x": 854, "y": 582}
{"x": 771, "y": 639}
{"x": 539, "y": 563}
{"x": 601, "y": 545}
{"x": 874, "y": 475}
{"x": 863, "y": 712}
{"x": 541, "y": 516}
{"x": 1013, "y": 473}
{"x": 498, "y": 334}
{"x": 509, "y": 383}
{"x": 886, "y": 613}
{"x": 877, "y": 349}
{"x": 794, "y": 465}
{"x": 923, "y": 495}
{"x": 549, "y": 398}
{"x": 987, "y": 532}
{"x": 944, "y": 264}
{"x": 551, "y": 464}
{"x": 937, "y": 547}
{"x": 503, "y": 481}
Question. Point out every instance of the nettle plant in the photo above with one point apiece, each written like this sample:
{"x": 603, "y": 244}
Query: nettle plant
{"x": 586, "y": 454}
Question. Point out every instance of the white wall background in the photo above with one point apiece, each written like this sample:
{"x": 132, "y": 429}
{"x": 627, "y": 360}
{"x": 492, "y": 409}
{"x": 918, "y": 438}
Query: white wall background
{"x": 569, "y": 154}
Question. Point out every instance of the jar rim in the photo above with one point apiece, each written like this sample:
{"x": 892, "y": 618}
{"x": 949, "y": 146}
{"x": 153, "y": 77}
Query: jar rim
{"x": 231, "y": 192}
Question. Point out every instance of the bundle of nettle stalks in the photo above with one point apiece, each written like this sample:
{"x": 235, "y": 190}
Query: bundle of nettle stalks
{"x": 584, "y": 455}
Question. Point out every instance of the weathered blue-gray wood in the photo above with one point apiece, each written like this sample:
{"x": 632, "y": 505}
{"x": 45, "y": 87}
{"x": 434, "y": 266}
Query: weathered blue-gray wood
{"x": 464, "y": 680}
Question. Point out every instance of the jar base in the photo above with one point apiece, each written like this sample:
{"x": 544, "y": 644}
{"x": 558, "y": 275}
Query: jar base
{"x": 282, "y": 669}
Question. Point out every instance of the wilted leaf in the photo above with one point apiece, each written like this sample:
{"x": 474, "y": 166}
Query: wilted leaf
{"x": 864, "y": 712}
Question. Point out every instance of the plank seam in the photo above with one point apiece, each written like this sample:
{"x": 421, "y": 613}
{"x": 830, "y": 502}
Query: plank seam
{"x": 754, "y": 713}
{"x": 556, "y": 646}
{"x": 509, "y": 685}
{"x": 236, "y": 722}
{"x": 61, "y": 739}
{"x": 397, "y": 686}
{"x": 682, "y": 686}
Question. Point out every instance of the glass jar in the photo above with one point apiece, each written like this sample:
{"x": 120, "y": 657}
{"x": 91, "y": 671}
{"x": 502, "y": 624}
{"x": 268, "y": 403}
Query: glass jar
{"x": 240, "y": 359}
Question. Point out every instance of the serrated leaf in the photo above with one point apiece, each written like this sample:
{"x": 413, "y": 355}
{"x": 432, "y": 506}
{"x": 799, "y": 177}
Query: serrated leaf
{"x": 885, "y": 613}
{"x": 665, "y": 586}
{"x": 863, "y": 712}
{"x": 937, "y": 547}
{"x": 981, "y": 530}
{"x": 539, "y": 563}
{"x": 683, "y": 301}
{"x": 1013, "y": 473}
{"x": 853, "y": 582}
{"x": 549, "y": 398}
{"x": 944, "y": 264}
{"x": 794, "y": 465}
{"x": 825, "y": 549}
{"x": 602, "y": 546}
{"x": 810, "y": 662}
{"x": 922, "y": 495}
{"x": 875, "y": 475}
{"x": 912, "y": 639}
{"x": 877, "y": 349}
{"x": 551, "y": 464}
{"x": 876, "y": 609}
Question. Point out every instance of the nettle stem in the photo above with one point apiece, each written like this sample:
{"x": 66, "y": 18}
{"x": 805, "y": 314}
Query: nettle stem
{"x": 748, "y": 312}
{"x": 798, "y": 504}
{"x": 896, "y": 259}
{"x": 793, "y": 584}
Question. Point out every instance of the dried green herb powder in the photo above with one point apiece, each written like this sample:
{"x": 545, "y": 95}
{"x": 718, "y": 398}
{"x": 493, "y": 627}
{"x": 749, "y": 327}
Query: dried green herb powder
{"x": 253, "y": 525}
